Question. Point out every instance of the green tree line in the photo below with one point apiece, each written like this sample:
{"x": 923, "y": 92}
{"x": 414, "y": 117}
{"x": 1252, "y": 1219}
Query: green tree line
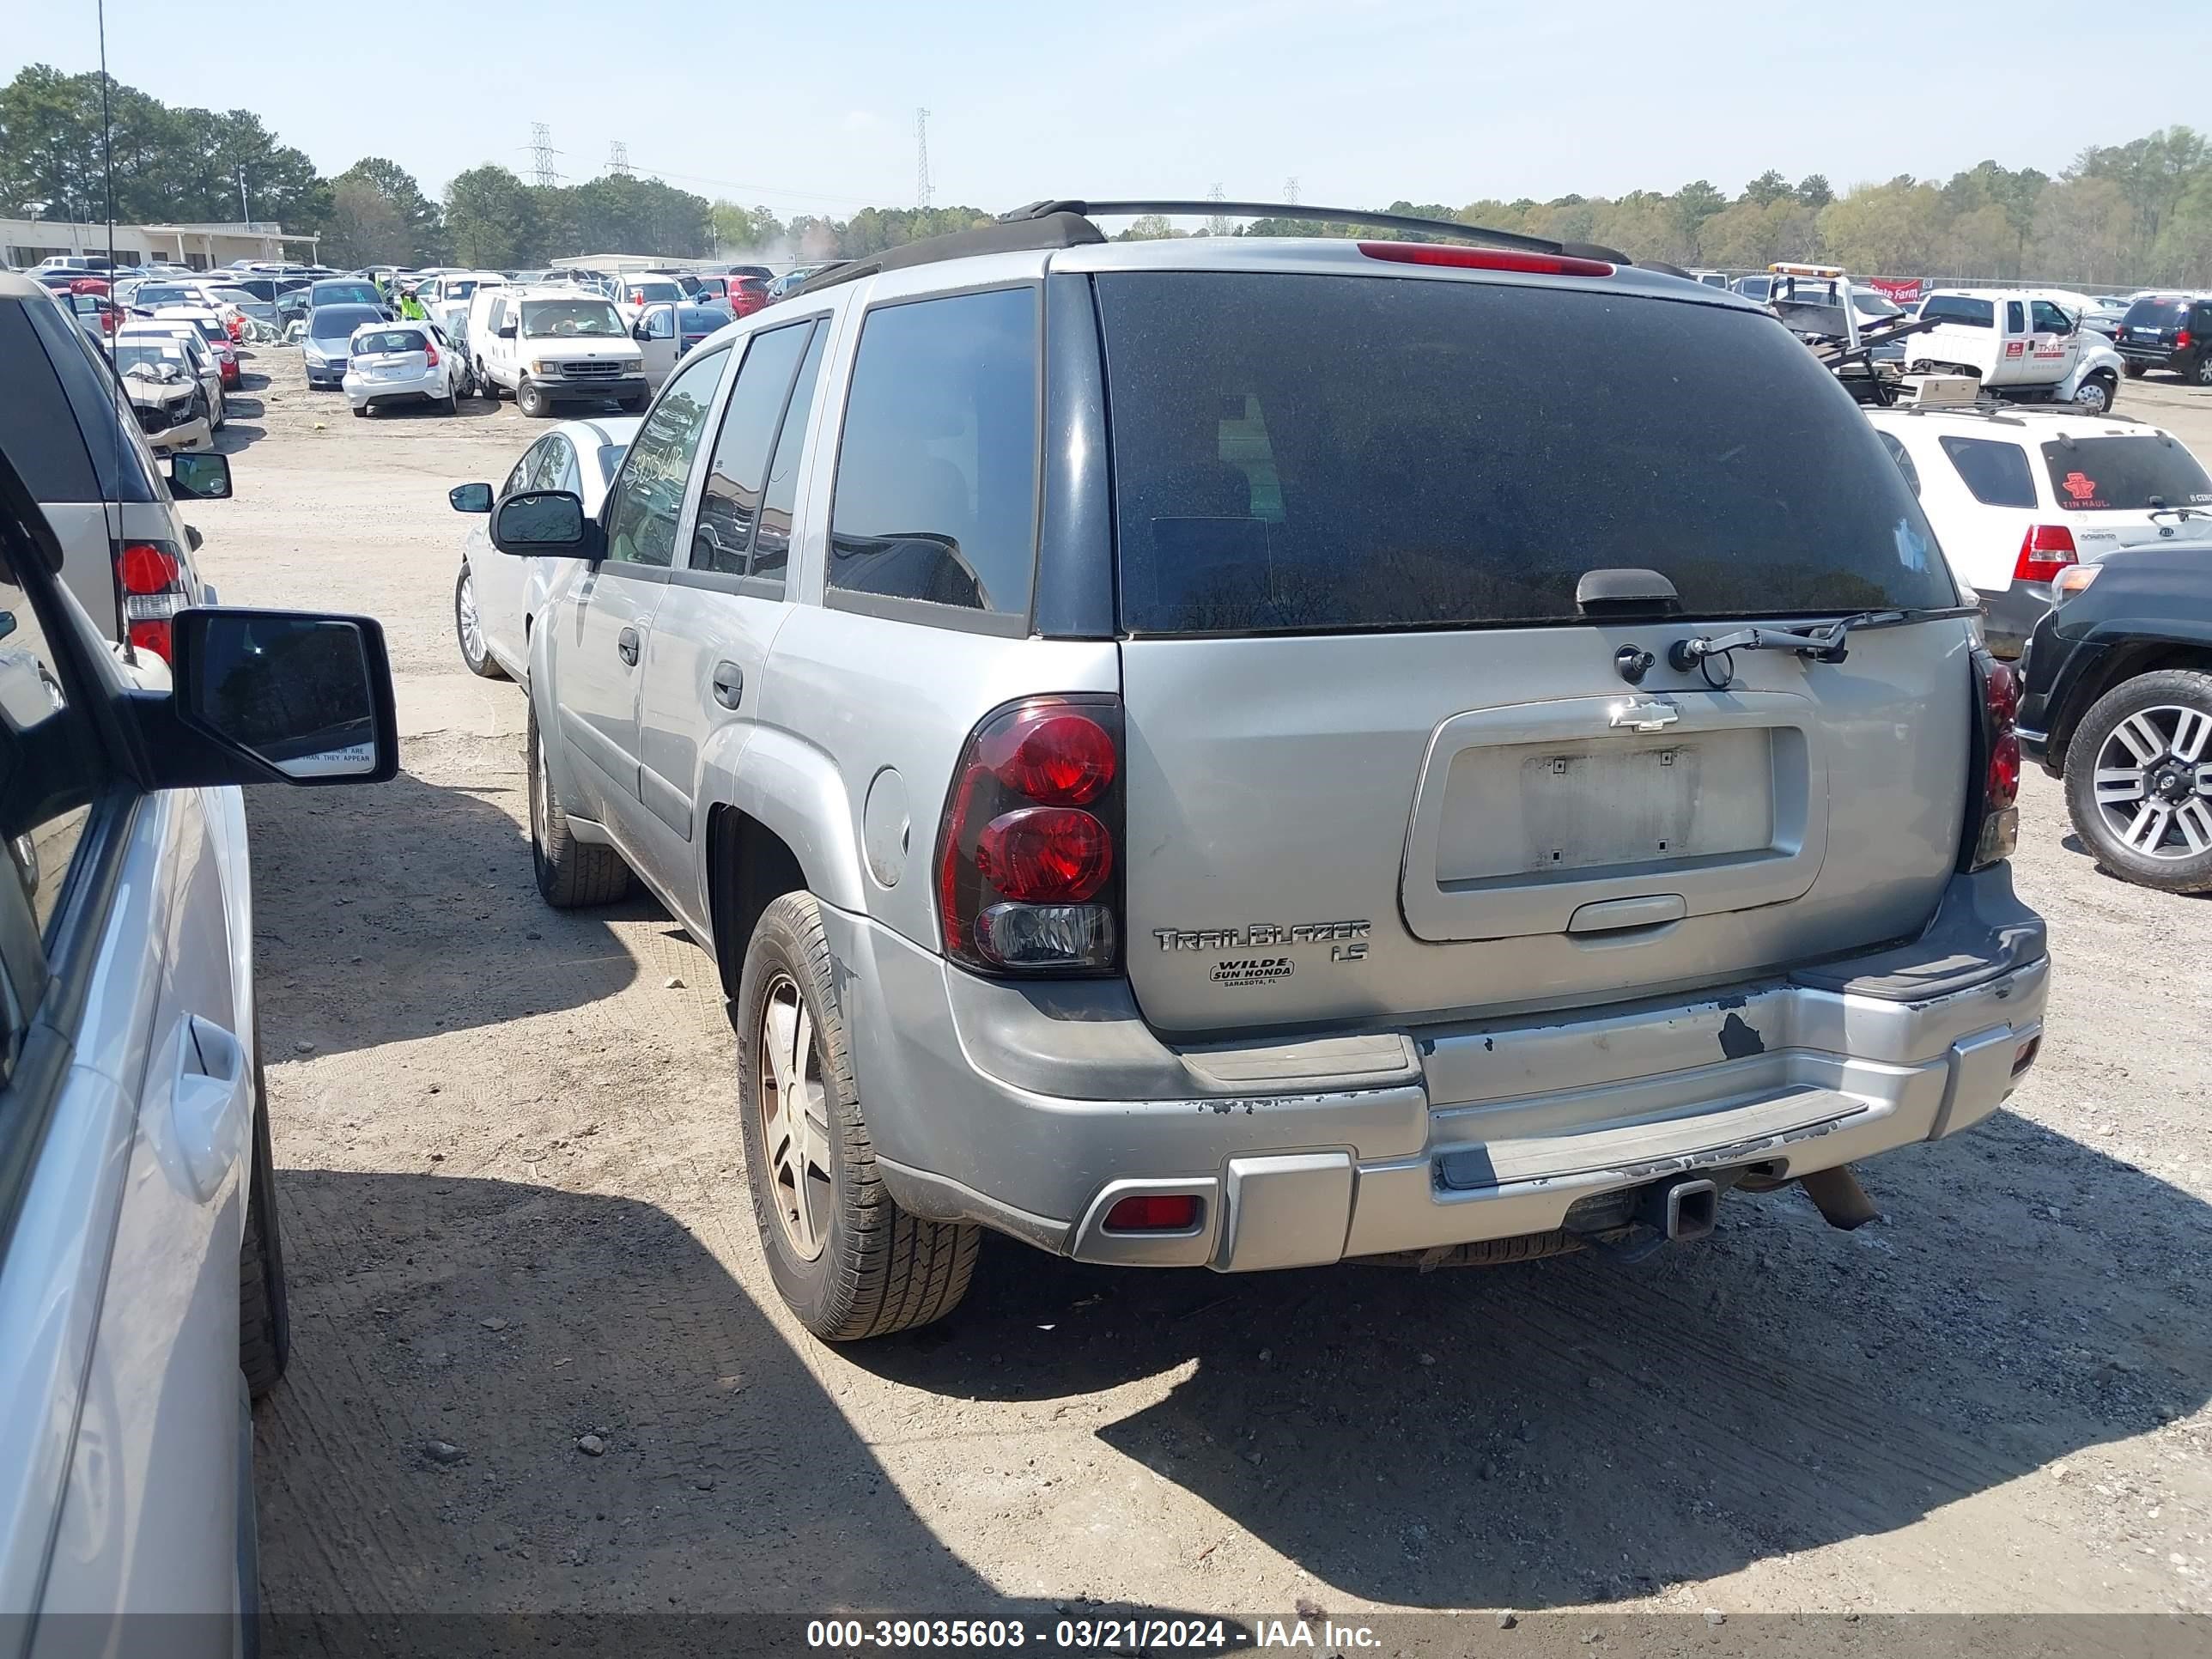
{"x": 2137, "y": 213}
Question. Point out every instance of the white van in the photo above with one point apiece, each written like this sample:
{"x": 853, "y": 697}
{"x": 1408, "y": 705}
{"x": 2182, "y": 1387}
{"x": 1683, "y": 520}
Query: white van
{"x": 546, "y": 346}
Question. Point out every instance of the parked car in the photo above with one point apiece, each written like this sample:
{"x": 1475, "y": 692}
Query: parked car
{"x": 747, "y": 294}
{"x": 2171, "y": 331}
{"x": 171, "y": 404}
{"x": 97, "y": 315}
{"x": 151, "y": 294}
{"x": 783, "y": 287}
{"x": 346, "y": 291}
{"x": 554, "y": 345}
{"x": 2117, "y": 702}
{"x": 189, "y": 340}
{"x": 1128, "y": 724}
{"x": 328, "y": 344}
{"x": 496, "y": 599}
{"x": 1754, "y": 287}
{"x": 242, "y": 302}
{"x": 76, "y": 436}
{"x": 394, "y": 363}
{"x": 640, "y": 291}
{"x": 447, "y": 298}
{"x": 2019, "y": 497}
{"x": 757, "y": 273}
{"x": 696, "y": 324}
{"x": 141, "y": 1279}
{"x": 214, "y": 334}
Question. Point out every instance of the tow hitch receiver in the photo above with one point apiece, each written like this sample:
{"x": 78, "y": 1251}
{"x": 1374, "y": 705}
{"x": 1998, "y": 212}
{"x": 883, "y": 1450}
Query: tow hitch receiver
{"x": 1681, "y": 1210}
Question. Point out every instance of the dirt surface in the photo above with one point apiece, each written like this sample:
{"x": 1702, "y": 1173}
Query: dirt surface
{"x": 514, "y": 1217}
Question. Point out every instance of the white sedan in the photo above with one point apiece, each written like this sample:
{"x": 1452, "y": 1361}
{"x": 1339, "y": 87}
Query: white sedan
{"x": 409, "y": 363}
{"x": 497, "y": 595}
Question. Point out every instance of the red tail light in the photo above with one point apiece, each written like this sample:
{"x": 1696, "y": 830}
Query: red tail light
{"x": 430, "y": 352}
{"x": 2045, "y": 551}
{"x": 1027, "y": 878}
{"x": 1154, "y": 1213}
{"x": 1993, "y": 822}
{"x": 2181, "y": 339}
{"x": 234, "y": 328}
{"x": 1485, "y": 259}
{"x": 151, "y": 578}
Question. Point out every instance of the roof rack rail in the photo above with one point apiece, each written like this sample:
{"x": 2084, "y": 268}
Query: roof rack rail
{"x": 1067, "y": 224}
{"x": 1327, "y": 215}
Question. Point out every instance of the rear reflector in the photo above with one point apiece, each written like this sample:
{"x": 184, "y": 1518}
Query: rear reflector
{"x": 1154, "y": 1213}
{"x": 1485, "y": 259}
{"x": 2024, "y": 1056}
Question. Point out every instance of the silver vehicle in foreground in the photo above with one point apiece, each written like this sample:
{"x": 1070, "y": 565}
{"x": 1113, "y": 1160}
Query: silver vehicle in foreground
{"x": 141, "y": 1282}
{"x": 1250, "y": 753}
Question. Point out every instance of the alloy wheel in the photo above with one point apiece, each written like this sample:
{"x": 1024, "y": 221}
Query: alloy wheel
{"x": 2154, "y": 784}
{"x": 471, "y": 626}
{"x": 794, "y": 1117}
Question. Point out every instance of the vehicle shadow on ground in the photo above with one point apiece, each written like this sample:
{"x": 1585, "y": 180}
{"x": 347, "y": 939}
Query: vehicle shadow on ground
{"x": 239, "y": 433}
{"x": 1576, "y": 1430}
{"x": 454, "y": 1340}
{"x": 407, "y": 909}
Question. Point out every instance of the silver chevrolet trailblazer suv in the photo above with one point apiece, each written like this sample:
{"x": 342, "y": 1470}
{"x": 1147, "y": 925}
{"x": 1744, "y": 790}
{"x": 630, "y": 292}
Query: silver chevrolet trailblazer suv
{"x": 1251, "y": 752}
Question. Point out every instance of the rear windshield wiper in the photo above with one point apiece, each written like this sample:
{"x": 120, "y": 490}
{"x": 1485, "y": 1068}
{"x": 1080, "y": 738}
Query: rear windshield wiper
{"x": 1826, "y": 644}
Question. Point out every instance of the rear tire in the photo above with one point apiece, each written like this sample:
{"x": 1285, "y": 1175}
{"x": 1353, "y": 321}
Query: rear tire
{"x": 874, "y": 1269}
{"x": 361, "y": 411}
{"x": 635, "y": 405}
{"x": 264, "y": 1314}
{"x": 2134, "y": 371}
{"x": 2096, "y": 745}
{"x": 571, "y": 873}
{"x": 475, "y": 656}
{"x": 2203, "y": 375}
{"x": 532, "y": 401}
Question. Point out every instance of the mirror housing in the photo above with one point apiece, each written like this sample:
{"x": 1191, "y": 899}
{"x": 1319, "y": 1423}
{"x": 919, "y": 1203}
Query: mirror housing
{"x": 546, "y": 523}
{"x": 199, "y": 475}
{"x": 470, "y": 497}
{"x": 271, "y": 697}
{"x": 504, "y": 330}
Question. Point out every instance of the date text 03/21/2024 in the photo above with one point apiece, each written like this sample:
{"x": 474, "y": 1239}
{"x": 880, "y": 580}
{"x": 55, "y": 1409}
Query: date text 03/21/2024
{"x": 1088, "y": 1635}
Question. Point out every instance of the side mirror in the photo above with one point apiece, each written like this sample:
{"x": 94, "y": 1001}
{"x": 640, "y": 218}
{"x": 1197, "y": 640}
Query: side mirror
{"x": 275, "y": 694}
{"x": 200, "y": 475}
{"x": 470, "y": 497}
{"x": 504, "y": 330}
{"x": 639, "y": 331}
{"x": 541, "y": 523}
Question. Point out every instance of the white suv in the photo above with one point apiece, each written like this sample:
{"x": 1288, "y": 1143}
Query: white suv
{"x": 2016, "y": 496}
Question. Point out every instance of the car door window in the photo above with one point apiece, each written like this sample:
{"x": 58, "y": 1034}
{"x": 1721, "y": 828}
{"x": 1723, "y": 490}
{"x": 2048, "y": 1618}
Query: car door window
{"x": 1898, "y": 453}
{"x": 551, "y": 466}
{"x": 935, "y": 491}
{"x": 525, "y": 470}
{"x": 2015, "y": 318}
{"x": 2048, "y": 317}
{"x": 660, "y": 323}
{"x": 772, "y": 540}
{"x": 649, "y": 497}
{"x": 1997, "y": 473}
{"x": 729, "y": 505}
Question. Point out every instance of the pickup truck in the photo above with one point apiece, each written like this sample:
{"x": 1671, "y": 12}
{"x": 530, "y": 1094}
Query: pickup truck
{"x": 2022, "y": 346}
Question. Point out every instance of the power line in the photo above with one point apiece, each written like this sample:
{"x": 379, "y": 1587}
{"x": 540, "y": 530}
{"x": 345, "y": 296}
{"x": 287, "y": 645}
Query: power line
{"x": 542, "y": 154}
{"x": 619, "y": 160}
{"x": 921, "y": 158}
{"x": 761, "y": 190}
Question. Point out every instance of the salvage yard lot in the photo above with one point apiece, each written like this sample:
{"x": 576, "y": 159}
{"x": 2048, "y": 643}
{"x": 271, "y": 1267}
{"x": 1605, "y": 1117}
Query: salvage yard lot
{"x": 514, "y": 1216}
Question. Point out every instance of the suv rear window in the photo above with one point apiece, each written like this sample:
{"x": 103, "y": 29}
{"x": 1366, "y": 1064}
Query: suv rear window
{"x": 2155, "y": 314}
{"x": 1956, "y": 308}
{"x": 2092, "y": 474}
{"x": 1324, "y": 453}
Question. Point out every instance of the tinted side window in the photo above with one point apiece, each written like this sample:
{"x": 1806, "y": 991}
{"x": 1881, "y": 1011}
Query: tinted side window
{"x": 729, "y": 505}
{"x": 104, "y": 418}
{"x": 2015, "y": 318}
{"x": 1995, "y": 472}
{"x": 772, "y": 541}
{"x": 649, "y": 496}
{"x": 1903, "y": 459}
{"x": 31, "y": 677}
{"x": 936, "y": 492}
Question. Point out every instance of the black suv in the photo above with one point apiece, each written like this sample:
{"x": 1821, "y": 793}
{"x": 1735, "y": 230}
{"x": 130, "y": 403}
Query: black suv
{"x": 2168, "y": 331}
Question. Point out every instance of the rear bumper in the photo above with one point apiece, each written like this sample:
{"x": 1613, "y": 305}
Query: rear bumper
{"x": 1034, "y": 1109}
{"x": 360, "y": 391}
{"x": 2009, "y": 615}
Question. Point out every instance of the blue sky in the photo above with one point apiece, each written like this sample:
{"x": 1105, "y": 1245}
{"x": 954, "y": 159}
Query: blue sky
{"x": 809, "y": 107}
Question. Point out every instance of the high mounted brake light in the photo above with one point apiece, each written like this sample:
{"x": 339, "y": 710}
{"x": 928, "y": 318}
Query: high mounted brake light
{"x": 1485, "y": 259}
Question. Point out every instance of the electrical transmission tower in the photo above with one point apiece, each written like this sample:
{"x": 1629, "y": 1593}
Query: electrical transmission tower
{"x": 1290, "y": 190}
{"x": 1219, "y": 224}
{"x": 619, "y": 160}
{"x": 921, "y": 158}
{"x": 542, "y": 154}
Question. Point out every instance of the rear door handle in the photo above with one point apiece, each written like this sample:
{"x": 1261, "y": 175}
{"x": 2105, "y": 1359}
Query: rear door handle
{"x": 211, "y": 1100}
{"x": 729, "y": 684}
{"x": 626, "y": 646}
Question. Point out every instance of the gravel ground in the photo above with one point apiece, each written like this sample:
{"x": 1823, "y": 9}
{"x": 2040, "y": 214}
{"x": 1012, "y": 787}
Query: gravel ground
{"x": 514, "y": 1218}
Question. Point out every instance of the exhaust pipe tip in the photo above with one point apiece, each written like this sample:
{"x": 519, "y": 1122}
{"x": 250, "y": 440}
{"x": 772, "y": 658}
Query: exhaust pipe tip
{"x": 1837, "y": 1195}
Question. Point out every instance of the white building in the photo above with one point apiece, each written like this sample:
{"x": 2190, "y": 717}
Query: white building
{"x": 25, "y": 242}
